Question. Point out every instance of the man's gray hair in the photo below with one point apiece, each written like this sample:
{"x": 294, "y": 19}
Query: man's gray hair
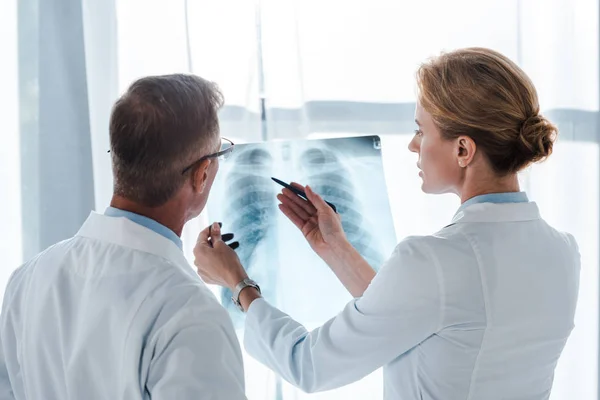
{"x": 157, "y": 128}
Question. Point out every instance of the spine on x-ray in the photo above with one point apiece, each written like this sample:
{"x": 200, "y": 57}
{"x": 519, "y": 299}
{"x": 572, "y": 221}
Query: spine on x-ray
{"x": 252, "y": 207}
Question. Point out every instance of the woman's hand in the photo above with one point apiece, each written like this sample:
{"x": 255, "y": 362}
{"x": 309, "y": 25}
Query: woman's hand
{"x": 320, "y": 225}
{"x": 322, "y": 228}
{"x": 217, "y": 262}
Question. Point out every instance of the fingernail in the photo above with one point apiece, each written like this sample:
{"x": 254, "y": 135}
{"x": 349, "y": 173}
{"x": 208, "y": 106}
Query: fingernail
{"x": 216, "y": 226}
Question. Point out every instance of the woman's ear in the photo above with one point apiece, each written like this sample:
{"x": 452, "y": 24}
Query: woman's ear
{"x": 200, "y": 176}
{"x": 466, "y": 150}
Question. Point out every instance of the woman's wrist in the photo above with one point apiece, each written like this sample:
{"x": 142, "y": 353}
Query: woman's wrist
{"x": 341, "y": 247}
{"x": 340, "y": 251}
{"x": 350, "y": 267}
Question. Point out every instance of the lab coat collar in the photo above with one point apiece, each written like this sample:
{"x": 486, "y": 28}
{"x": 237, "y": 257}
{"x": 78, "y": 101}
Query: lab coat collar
{"x": 497, "y": 212}
{"x": 124, "y": 232}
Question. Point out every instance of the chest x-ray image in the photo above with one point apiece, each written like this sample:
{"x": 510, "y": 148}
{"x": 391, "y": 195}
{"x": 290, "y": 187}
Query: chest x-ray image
{"x": 347, "y": 172}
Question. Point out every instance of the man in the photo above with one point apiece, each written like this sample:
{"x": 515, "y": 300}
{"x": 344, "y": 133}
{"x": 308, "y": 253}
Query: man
{"x": 116, "y": 312}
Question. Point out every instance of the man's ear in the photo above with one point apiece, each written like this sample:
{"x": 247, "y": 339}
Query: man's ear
{"x": 466, "y": 149}
{"x": 200, "y": 176}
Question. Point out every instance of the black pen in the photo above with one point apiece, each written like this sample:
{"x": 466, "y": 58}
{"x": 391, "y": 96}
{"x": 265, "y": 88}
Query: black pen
{"x": 299, "y": 192}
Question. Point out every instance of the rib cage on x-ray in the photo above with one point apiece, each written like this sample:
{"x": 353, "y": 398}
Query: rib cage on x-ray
{"x": 347, "y": 172}
{"x": 253, "y": 208}
{"x": 328, "y": 176}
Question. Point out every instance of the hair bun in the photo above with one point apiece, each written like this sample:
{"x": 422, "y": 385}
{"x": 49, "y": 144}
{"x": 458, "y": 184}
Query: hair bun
{"x": 535, "y": 140}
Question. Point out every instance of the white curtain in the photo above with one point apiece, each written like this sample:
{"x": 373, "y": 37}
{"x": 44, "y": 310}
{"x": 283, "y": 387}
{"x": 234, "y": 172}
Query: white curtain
{"x": 341, "y": 68}
{"x": 10, "y": 161}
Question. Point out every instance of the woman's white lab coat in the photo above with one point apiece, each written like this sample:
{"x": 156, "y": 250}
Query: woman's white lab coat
{"x": 480, "y": 310}
{"x": 115, "y": 313}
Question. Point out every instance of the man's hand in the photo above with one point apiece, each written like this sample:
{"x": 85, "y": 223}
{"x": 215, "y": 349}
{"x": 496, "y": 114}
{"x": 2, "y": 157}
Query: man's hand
{"x": 217, "y": 263}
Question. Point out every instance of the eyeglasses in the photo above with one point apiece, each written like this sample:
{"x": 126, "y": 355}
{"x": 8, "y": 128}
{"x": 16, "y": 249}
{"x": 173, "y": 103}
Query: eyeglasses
{"x": 223, "y": 154}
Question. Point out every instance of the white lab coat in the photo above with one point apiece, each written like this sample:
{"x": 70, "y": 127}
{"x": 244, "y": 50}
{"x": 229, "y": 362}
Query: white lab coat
{"x": 480, "y": 310}
{"x": 115, "y": 313}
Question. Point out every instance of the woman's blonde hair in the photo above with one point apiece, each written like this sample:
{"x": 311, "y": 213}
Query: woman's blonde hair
{"x": 482, "y": 94}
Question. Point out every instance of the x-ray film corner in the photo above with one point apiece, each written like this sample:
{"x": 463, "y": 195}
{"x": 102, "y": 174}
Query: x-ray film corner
{"x": 347, "y": 172}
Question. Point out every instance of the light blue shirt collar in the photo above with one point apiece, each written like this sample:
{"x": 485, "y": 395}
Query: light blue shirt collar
{"x": 146, "y": 222}
{"x": 508, "y": 197}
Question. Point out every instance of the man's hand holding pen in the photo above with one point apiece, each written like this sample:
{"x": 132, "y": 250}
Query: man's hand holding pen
{"x": 217, "y": 262}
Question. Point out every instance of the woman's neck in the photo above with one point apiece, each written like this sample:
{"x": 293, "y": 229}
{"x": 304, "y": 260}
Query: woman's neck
{"x": 472, "y": 188}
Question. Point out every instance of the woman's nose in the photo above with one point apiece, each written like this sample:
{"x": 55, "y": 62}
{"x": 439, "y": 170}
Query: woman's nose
{"x": 412, "y": 146}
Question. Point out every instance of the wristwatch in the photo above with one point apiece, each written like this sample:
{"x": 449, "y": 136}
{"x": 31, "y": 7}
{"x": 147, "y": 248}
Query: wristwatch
{"x": 238, "y": 289}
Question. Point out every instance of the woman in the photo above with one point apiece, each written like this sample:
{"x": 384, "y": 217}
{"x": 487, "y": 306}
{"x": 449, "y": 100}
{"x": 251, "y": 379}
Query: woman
{"x": 479, "y": 310}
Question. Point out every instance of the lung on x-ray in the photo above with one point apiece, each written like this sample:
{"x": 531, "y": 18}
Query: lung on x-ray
{"x": 347, "y": 172}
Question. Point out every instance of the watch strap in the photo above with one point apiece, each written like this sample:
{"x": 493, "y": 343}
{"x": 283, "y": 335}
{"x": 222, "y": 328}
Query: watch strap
{"x": 238, "y": 289}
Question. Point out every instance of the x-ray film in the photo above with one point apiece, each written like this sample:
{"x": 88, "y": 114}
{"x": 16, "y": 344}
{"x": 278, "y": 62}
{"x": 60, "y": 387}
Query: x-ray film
{"x": 347, "y": 172}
